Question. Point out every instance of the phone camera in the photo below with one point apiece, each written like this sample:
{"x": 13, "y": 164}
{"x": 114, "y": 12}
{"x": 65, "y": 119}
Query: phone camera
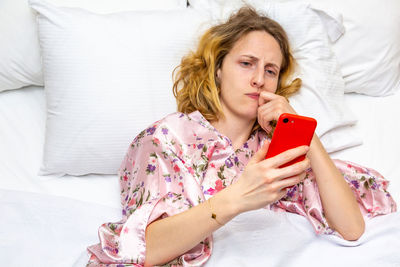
{"x": 285, "y": 120}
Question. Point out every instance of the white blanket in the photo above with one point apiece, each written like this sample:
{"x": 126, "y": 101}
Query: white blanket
{"x": 54, "y": 225}
{"x": 267, "y": 238}
{"x": 44, "y": 230}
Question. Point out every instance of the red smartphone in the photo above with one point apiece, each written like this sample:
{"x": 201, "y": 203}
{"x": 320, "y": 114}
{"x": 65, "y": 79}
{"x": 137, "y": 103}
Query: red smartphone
{"x": 291, "y": 131}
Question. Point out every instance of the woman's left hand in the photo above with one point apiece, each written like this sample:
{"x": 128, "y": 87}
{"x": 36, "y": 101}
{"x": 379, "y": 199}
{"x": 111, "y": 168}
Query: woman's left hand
{"x": 270, "y": 107}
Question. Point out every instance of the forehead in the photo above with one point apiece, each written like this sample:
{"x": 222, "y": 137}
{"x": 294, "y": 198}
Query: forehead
{"x": 259, "y": 44}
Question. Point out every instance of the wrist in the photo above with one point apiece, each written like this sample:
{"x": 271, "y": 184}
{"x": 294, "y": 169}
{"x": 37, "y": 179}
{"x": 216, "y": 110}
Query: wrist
{"x": 225, "y": 205}
{"x": 315, "y": 147}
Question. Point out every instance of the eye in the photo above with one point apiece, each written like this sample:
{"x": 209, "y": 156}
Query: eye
{"x": 245, "y": 63}
{"x": 271, "y": 72}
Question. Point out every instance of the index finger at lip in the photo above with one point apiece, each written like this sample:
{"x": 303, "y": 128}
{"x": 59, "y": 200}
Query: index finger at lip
{"x": 265, "y": 97}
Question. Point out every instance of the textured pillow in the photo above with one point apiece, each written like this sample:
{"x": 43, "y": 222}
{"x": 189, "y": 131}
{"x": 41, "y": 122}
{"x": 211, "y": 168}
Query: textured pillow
{"x": 107, "y": 77}
{"x": 369, "y": 51}
{"x": 311, "y": 32}
{"x": 19, "y": 50}
{"x": 322, "y": 92}
{"x": 20, "y": 61}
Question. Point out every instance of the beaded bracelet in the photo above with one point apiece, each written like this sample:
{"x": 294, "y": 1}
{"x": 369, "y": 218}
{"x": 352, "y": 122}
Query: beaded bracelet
{"x": 213, "y": 215}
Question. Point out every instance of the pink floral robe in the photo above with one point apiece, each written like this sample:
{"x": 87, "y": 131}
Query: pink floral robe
{"x": 182, "y": 160}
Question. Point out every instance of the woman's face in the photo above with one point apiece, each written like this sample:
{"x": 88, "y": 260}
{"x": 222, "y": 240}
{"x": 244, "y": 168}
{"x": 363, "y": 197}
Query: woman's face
{"x": 252, "y": 66}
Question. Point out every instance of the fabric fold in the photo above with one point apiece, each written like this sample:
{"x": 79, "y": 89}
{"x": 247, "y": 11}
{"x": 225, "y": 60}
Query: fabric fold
{"x": 182, "y": 160}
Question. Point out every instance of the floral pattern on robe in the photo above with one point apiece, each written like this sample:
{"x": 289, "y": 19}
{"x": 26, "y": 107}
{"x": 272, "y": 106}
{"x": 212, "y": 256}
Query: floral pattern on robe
{"x": 182, "y": 160}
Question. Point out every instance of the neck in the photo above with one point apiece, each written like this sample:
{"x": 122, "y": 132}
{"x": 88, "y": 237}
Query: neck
{"x": 237, "y": 130}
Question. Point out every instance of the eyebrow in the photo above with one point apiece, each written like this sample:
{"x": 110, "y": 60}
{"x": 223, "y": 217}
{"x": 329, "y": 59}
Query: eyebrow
{"x": 256, "y": 59}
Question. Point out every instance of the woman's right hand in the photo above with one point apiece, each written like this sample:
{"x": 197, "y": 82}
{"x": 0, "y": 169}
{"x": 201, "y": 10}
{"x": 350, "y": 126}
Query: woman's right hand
{"x": 263, "y": 182}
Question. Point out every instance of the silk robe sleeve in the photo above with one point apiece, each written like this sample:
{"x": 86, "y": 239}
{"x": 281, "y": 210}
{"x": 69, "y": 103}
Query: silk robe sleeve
{"x": 155, "y": 183}
{"x": 368, "y": 186}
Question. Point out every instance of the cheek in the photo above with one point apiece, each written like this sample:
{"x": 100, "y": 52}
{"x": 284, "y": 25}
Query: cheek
{"x": 271, "y": 86}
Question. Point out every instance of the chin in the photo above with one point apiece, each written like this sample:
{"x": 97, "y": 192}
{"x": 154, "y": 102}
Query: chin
{"x": 250, "y": 115}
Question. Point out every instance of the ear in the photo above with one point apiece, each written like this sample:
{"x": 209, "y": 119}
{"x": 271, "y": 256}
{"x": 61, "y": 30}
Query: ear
{"x": 219, "y": 73}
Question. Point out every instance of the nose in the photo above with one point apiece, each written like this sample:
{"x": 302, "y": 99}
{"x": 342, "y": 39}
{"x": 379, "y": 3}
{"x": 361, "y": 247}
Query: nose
{"x": 257, "y": 79}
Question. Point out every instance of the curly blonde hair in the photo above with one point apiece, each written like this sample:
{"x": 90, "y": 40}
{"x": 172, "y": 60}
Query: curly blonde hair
{"x": 195, "y": 85}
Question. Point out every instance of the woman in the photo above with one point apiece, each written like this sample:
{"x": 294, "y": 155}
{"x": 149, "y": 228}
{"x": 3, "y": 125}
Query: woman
{"x": 193, "y": 171}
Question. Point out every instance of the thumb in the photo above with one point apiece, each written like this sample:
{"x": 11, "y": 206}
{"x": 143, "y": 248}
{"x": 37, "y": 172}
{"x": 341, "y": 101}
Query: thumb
{"x": 260, "y": 154}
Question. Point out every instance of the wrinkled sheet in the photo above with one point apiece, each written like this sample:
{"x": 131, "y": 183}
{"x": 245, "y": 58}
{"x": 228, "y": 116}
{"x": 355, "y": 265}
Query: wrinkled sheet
{"x": 44, "y": 230}
{"x": 265, "y": 238}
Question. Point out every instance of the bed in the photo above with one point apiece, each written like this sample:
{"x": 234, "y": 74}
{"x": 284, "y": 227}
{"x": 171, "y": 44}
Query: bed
{"x": 69, "y": 108}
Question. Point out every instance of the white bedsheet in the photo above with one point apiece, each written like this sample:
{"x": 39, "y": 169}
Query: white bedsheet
{"x": 49, "y": 220}
{"x": 267, "y": 238}
{"x": 379, "y": 127}
{"x": 43, "y": 230}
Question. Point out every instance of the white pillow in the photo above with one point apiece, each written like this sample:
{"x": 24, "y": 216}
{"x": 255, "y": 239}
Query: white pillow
{"x": 369, "y": 51}
{"x": 107, "y": 77}
{"x": 20, "y": 61}
{"x": 322, "y": 92}
{"x": 19, "y": 50}
{"x": 311, "y": 32}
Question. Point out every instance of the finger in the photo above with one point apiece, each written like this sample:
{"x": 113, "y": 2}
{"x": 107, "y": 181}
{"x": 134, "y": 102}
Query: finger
{"x": 287, "y": 183}
{"x": 266, "y": 97}
{"x": 288, "y": 156}
{"x": 281, "y": 173}
{"x": 265, "y": 115}
{"x": 277, "y": 102}
{"x": 292, "y": 170}
{"x": 277, "y": 174}
{"x": 260, "y": 154}
{"x": 275, "y": 108}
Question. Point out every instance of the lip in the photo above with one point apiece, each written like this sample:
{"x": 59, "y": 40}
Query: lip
{"x": 253, "y": 95}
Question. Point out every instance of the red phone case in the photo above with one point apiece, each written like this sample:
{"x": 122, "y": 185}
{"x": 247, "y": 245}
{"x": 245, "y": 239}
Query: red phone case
{"x": 291, "y": 131}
